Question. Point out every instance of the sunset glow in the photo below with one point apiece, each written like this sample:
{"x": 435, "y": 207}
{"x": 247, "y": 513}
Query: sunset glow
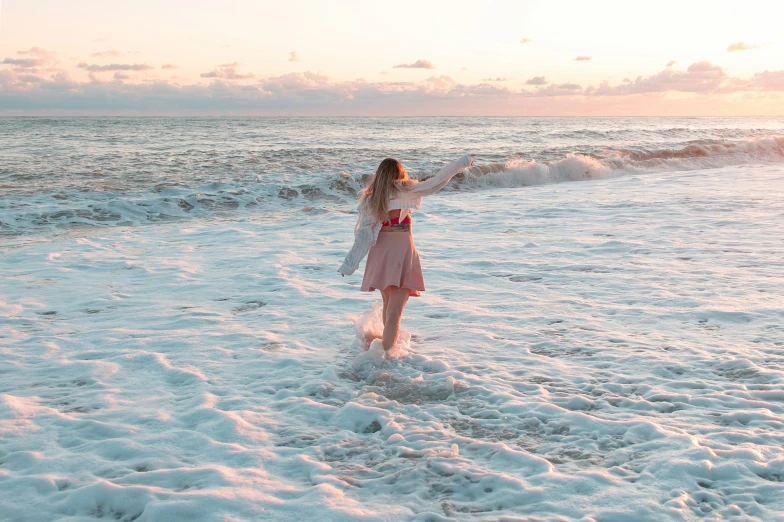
{"x": 406, "y": 58}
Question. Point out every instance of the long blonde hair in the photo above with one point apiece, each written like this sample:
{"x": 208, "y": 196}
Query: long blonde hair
{"x": 389, "y": 179}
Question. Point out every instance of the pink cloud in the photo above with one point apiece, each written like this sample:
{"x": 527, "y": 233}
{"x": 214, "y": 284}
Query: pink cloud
{"x": 525, "y": 40}
{"x": 38, "y": 57}
{"x": 307, "y": 81}
{"x": 704, "y": 67}
{"x": 12, "y": 83}
{"x": 110, "y": 52}
{"x": 699, "y": 77}
{"x": 227, "y": 71}
{"x": 438, "y": 85}
{"x": 671, "y": 63}
{"x": 293, "y": 56}
{"x": 499, "y": 79}
{"x": 767, "y": 81}
{"x": 583, "y": 59}
{"x": 168, "y": 66}
{"x": 419, "y": 64}
{"x": 114, "y": 67}
{"x": 30, "y": 78}
{"x": 563, "y": 89}
{"x": 536, "y": 80}
{"x": 313, "y": 93}
{"x": 61, "y": 81}
{"x": 741, "y": 46}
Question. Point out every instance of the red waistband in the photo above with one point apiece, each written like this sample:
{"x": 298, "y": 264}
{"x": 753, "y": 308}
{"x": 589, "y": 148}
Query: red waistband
{"x": 396, "y": 221}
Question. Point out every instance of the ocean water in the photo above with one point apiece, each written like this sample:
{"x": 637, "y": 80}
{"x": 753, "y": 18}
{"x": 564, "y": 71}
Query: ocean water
{"x": 602, "y": 337}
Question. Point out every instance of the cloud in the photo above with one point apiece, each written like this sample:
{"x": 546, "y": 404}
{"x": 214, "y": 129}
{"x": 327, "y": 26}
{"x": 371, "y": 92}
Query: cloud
{"x": 39, "y": 52}
{"x": 700, "y": 77}
{"x": 464, "y": 68}
{"x": 741, "y": 46}
{"x": 525, "y": 40}
{"x": 671, "y": 63}
{"x": 499, "y": 79}
{"x": 767, "y": 81}
{"x": 308, "y": 92}
{"x": 704, "y": 66}
{"x": 114, "y": 67}
{"x": 311, "y": 93}
{"x": 169, "y": 66}
{"x": 563, "y": 89}
{"x": 295, "y": 82}
{"x": 22, "y": 62}
{"x": 293, "y": 56}
{"x": 419, "y": 64}
{"x": 227, "y": 71}
{"x": 100, "y": 39}
{"x": 34, "y": 85}
{"x": 31, "y": 78}
{"x": 38, "y": 57}
{"x": 567, "y": 87}
{"x": 110, "y": 52}
{"x": 583, "y": 59}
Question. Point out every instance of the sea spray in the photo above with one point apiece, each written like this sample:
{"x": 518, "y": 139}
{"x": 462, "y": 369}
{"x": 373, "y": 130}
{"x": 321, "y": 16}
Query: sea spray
{"x": 46, "y": 213}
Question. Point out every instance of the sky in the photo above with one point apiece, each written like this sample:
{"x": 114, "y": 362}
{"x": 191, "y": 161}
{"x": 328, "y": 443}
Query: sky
{"x": 401, "y": 58}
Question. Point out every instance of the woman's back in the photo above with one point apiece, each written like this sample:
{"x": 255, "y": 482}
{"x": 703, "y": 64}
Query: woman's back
{"x": 383, "y": 233}
{"x": 396, "y": 193}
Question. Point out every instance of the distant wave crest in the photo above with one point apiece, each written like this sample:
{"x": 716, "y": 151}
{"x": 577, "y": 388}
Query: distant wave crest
{"x": 337, "y": 192}
{"x": 578, "y": 167}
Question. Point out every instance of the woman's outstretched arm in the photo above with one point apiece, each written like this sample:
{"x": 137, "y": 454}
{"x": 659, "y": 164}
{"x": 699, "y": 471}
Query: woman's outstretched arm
{"x": 365, "y": 234}
{"x": 442, "y": 177}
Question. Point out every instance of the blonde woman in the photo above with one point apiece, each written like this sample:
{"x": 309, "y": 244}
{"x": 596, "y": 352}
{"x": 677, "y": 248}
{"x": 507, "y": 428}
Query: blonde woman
{"x": 383, "y": 233}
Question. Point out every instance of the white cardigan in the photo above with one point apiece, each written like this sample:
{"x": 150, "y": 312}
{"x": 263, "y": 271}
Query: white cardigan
{"x": 368, "y": 226}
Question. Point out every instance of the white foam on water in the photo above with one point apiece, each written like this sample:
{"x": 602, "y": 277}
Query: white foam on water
{"x": 370, "y": 328}
{"x": 608, "y": 350}
{"x": 323, "y": 192}
{"x": 702, "y": 154}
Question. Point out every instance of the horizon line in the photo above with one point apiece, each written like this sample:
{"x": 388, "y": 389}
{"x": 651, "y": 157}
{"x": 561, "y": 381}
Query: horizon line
{"x": 110, "y": 115}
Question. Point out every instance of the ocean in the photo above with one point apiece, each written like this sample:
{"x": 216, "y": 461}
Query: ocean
{"x": 602, "y": 335}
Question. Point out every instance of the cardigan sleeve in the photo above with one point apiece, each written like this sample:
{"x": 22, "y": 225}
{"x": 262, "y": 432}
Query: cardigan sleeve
{"x": 365, "y": 234}
{"x": 442, "y": 177}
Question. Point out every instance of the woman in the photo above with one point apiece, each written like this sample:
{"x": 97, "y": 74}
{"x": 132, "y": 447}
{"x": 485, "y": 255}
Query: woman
{"x": 383, "y": 233}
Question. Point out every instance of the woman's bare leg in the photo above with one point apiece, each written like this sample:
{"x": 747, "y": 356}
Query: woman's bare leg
{"x": 398, "y": 297}
{"x": 385, "y": 298}
{"x": 370, "y": 334}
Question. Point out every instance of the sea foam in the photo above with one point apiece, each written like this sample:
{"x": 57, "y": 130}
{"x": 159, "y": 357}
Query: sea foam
{"x": 47, "y": 213}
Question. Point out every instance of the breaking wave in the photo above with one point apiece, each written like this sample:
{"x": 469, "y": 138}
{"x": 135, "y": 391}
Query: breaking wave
{"x": 57, "y": 212}
{"x": 579, "y": 167}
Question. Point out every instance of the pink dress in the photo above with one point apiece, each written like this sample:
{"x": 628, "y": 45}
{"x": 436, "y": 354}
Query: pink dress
{"x": 394, "y": 260}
